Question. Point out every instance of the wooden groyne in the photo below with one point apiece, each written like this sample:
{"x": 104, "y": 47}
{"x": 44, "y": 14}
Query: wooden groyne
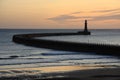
{"x": 28, "y": 39}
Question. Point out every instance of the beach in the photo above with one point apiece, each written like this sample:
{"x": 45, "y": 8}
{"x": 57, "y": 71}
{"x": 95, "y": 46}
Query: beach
{"x": 66, "y": 73}
{"x": 93, "y": 74}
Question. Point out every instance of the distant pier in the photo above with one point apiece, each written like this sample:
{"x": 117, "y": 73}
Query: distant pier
{"x": 30, "y": 40}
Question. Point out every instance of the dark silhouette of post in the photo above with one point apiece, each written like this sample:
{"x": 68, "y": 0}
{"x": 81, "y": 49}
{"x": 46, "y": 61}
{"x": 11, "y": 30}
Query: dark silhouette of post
{"x": 85, "y": 29}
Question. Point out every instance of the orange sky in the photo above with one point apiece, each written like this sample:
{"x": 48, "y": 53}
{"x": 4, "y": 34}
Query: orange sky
{"x": 65, "y": 14}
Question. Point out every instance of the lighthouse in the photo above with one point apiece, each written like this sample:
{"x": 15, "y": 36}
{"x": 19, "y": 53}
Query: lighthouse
{"x": 86, "y": 29}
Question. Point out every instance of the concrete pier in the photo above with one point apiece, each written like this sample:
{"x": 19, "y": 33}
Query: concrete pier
{"x": 28, "y": 39}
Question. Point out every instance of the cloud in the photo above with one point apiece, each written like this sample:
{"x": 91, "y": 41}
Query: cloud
{"x": 76, "y": 12}
{"x": 109, "y": 10}
{"x": 116, "y": 12}
{"x": 63, "y": 18}
{"x": 69, "y": 17}
{"x": 110, "y": 17}
{"x": 102, "y": 11}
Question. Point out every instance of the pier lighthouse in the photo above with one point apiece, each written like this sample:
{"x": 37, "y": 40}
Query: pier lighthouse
{"x": 86, "y": 29}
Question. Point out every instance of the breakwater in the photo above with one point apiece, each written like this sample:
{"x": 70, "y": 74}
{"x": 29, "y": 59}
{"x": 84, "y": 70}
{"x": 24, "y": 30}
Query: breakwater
{"x": 28, "y": 39}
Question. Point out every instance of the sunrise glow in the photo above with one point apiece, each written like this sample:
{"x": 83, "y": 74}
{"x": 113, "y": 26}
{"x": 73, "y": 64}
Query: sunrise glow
{"x": 59, "y": 14}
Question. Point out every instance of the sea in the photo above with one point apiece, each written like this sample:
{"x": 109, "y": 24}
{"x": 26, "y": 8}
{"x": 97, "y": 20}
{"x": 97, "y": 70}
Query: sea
{"x": 18, "y": 56}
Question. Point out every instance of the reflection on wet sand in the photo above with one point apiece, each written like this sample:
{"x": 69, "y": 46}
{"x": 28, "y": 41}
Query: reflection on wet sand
{"x": 63, "y": 68}
{"x": 63, "y": 73}
{"x": 44, "y": 70}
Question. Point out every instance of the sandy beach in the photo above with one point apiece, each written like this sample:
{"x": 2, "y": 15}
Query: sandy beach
{"x": 65, "y": 73}
{"x": 92, "y": 74}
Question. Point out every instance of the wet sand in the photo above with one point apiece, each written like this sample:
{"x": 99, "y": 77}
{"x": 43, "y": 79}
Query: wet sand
{"x": 67, "y": 73}
{"x": 93, "y": 74}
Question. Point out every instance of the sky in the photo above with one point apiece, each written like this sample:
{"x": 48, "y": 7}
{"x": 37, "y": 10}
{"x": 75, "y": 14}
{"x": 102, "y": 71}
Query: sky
{"x": 59, "y": 14}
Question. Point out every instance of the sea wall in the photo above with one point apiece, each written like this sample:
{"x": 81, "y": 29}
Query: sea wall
{"x": 28, "y": 39}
